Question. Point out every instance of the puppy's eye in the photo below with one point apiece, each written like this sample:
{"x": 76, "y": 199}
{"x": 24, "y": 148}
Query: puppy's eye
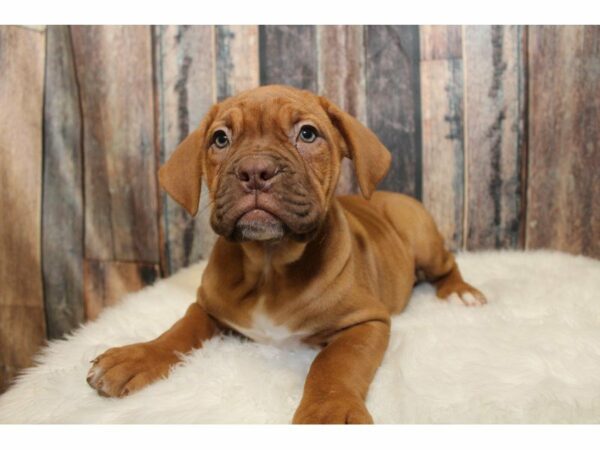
{"x": 308, "y": 133}
{"x": 220, "y": 139}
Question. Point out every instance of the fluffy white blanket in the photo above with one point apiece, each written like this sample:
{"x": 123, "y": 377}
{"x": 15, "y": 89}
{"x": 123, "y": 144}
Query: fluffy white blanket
{"x": 532, "y": 354}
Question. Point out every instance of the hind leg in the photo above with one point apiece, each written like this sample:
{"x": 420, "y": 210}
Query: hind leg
{"x": 451, "y": 285}
{"x": 433, "y": 262}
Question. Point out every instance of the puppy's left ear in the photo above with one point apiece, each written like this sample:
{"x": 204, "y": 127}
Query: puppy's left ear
{"x": 370, "y": 157}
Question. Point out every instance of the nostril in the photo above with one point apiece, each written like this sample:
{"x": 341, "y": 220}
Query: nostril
{"x": 265, "y": 175}
{"x": 243, "y": 176}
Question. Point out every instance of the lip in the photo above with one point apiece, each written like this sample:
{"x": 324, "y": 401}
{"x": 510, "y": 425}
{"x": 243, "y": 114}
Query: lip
{"x": 257, "y": 215}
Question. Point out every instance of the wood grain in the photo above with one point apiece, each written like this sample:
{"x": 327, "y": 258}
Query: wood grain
{"x": 236, "y": 59}
{"x": 494, "y": 135}
{"x": 62, "y": 220}
{"x": 564, "y": 139}
{"x": 288, "y": 56}
{"x": 341, "y": 78}
{"x": 114, "y": 73}
{"x": 184, "y": 80}
{"x": 441, "y": 42}
{"x": 22, "y": 324}
{"x": 106, "y": 282}
{"x": 443, "y": 157}
{"x": 393, "y": 102}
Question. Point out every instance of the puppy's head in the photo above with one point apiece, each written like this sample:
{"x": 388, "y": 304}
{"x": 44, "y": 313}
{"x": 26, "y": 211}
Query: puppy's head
{"x": 271, "y": 160}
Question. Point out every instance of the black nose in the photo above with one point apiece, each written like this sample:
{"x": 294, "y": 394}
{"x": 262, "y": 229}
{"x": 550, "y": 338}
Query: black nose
{"x": 254, "y": 172}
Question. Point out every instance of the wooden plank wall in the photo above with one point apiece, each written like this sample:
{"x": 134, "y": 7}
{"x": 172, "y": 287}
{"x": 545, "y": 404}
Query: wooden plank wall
{"x": 494, "y": 128}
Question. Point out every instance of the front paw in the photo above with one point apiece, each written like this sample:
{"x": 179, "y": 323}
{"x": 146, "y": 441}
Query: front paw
{"x": 122, "y": 370}
{"x": 333, "y": 410}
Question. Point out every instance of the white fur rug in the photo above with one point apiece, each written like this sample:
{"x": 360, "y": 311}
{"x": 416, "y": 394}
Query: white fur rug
{"x": 531, "y": 355}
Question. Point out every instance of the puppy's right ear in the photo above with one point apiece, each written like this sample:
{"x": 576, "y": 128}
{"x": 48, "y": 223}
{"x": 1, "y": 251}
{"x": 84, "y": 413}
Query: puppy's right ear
{"x": 181, "y": 175}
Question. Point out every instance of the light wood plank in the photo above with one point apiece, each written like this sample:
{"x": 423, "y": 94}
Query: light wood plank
{"x": 341, "y": 78}
{"x": 236, "y": 59}
{"x": 443, "y": 157}
{"x": 441, "y": 42}
{"x": 22, "y": 324}
{"x": 114, "y": 72}
{"x": 185, "y": 87}
{"x": 494, "y": 135}
{"x": 564, "y": 139}
{"x": 106, "y": 282}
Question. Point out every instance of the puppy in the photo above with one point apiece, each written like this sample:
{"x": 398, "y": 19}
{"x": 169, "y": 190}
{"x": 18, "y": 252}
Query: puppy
{"x": 293, "y": 263}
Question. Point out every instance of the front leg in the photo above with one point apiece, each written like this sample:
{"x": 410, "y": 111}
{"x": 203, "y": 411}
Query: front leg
{"x": 122, "y": 370}
{"x": 339, "y": 378}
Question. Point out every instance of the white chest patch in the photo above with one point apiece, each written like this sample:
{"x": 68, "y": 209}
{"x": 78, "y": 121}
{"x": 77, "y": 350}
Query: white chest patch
{"x": 263, "y": 330}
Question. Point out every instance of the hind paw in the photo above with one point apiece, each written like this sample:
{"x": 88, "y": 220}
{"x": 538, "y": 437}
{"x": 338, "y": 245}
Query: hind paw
{"x": 463, "y": 292}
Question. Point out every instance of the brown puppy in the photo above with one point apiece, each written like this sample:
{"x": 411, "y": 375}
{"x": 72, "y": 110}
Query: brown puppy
{"x": 293, "y": 262}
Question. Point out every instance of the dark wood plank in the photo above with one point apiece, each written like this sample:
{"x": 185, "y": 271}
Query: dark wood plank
{"x": 106, "y": 282}
{"x": 494, "y": 135}
{"x": 393, "y": 102}
{"x": 184, "y": 77}
{"x": 114, "y": 72}
{"x": 441, "y": 42}
{"x": 288, "y": 56}
{"x": 341, "y": 78}
{"x": 62, "y": 219}
{"x": 564, "y": 139}
{"x": 22, "y": 324}
{"x": 236, "y": 59}
{"x": 443, "y": 157}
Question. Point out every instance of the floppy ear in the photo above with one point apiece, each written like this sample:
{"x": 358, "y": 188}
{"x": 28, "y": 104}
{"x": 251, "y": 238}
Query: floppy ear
{"x": 181, "y": 175}
{"x": 370, "y": 157}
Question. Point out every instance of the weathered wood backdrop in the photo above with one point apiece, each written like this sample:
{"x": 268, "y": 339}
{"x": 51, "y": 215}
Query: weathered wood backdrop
{"x": 496, "y": 129}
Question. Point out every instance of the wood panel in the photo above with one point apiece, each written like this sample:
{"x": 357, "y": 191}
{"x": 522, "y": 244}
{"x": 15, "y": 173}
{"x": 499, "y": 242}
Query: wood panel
{"x": 236, "y": 59}
{"x": 288, "y": 56}
{"x": 106, "y": 282}
{"x": 62, "y": 220}
{"x": 184, "y": 83}
{"x": 564, "y": 140}
{"x": 341, "y": 78}
{"x": 441, "y": 42}
{"x": 22, "y": 324}
{"x": 494, "y": 135}
{"x": 114, "y": 72}
{"x": 443, "y": 141}
{"x": 393, "y": 102}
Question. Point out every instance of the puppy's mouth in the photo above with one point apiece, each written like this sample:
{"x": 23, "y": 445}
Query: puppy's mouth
{"x": 258, "y": 225}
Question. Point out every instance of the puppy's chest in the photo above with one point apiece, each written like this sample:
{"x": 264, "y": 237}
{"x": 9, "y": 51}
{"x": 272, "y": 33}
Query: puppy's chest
{"x": 261, "y": 326}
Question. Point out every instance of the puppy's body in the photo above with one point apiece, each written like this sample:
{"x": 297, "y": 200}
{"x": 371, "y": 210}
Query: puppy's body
{"x": 361, "y": 267}
{"x": 294, "y": 263}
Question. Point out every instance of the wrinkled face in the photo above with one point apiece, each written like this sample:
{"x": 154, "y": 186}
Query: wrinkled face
{"x": 271, "y": 160}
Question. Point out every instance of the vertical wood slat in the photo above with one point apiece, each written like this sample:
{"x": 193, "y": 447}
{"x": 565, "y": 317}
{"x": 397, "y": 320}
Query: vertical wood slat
{"x": 393, "y": 102}
{"x": 114, "y": 72}
{"x": 440, "y": 42}
{"x": 106, "y": 282}
{"x": 564, "y": 140}
{"x": 494, "y": 135}
{"x": 341, "y": 78}
{"x": 288, "y": 56}
{"x": 237, "y": 59}
{"x": 184, "y": 86}
{"x": 443, "y": 138}
{"x": 62, "y": 220}
{"x": 22, "y": 324}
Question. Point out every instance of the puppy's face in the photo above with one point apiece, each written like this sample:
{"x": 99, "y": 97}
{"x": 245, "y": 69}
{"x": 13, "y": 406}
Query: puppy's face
{"x": 271, "y": 160}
